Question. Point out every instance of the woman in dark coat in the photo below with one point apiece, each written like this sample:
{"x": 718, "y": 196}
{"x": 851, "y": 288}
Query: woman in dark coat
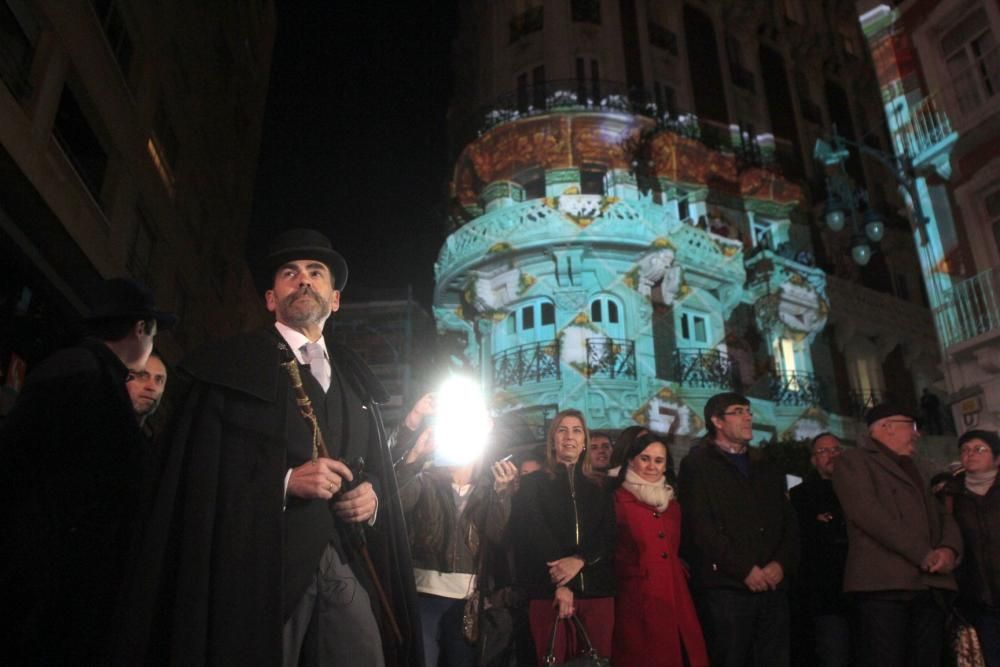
{"x": 454, "y": 516}
{"x": 655, "y": 620}
{"x": 974, "y": 499}
{"x": 563, "y": 533}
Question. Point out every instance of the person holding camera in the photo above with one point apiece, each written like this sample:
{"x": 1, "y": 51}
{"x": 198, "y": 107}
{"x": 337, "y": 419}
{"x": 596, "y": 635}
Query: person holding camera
{"x": 455, "y": 515}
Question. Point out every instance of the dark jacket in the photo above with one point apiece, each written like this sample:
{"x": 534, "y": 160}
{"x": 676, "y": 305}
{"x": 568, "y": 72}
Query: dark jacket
{"x": 547, "y": 515}
{"x": 978, "y": 518}
{"x": 221, "y": 558}
{"x": 820, "y": 579}
{"x": 732, "y": 523}
{"x": 70, "y": 485}
{"x": 892, "y": 523}
{"x": 440, "y": 540}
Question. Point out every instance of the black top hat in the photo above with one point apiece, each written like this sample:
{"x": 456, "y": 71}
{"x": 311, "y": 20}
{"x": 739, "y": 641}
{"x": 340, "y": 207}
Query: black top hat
{"x": 121, "y": 298}
{"x": 884, "y": 410}
{"x": 296, "y": 244}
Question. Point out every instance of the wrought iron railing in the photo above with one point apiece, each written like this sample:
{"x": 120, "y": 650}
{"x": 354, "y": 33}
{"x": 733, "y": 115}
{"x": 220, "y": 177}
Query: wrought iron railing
{"x": 860, "y": 402}
{"x": 705, "y": 369}
{"x": 611, "y": 358}
{"x": 586, "y": 94}
{"x": 796, "y": 388}
{"x": 921, "y": 127}
{"x": 533, "y": 362}
{"x": 971, "y": 308}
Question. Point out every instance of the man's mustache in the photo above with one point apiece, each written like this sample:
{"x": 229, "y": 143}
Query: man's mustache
{"x": 304, "y": 291}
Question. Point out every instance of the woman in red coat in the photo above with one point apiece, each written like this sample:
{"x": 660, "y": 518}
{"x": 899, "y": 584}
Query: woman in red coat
{"x": 655, "y": 620}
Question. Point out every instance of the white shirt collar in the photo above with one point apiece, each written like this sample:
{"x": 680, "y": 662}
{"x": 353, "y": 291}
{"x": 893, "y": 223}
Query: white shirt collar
{"x": 296, "y": 340}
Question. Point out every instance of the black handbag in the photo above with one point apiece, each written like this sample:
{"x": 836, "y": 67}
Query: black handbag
{"x": 589, "y": 658}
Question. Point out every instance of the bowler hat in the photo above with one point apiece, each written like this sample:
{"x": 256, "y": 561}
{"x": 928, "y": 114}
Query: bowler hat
{"x": 296, "y": 244}
{"x": 884, "y": 410}
{"x": 120, "y": 298}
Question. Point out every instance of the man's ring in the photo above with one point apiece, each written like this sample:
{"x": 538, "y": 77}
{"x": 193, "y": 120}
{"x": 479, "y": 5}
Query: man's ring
{"x": 331, "y": 488}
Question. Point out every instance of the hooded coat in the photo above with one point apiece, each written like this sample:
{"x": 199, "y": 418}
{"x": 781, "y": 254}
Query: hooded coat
{"x": 224, "y": 557}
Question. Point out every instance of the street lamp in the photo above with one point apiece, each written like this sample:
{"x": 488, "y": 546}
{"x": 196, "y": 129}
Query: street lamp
{"x": 845, "y": 199}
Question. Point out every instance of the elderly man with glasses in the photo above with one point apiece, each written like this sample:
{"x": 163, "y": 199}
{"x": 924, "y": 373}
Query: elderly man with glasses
{"x": 902, "y": 544}
{"x": 739, "y": 539}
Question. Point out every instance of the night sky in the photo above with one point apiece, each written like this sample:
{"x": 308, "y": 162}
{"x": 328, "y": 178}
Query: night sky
{"x": 354, "y": 140}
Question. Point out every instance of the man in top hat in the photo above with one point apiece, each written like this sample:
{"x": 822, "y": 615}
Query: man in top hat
{"x": 252, "y": 552}
{"x": 70, "y": 485}
{"x": 902, "y": 544}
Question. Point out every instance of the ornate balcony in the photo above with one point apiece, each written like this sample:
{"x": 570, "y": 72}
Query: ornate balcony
{"x": 611, "y": 358}
{"x": 705, "y": 369}
{"x": 534, "y": 362}
{"x": 860, "y": 402}
{"x": 971, "y": 308}
{"x": 797, "y": 388}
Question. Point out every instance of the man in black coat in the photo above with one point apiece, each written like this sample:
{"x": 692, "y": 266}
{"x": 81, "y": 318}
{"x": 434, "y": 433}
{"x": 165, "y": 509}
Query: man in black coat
{"x": 71, "y": 465}
{"x": 820, "y": 583}
{"x": 739, "y": 538}
{"x": 251, "y": 555}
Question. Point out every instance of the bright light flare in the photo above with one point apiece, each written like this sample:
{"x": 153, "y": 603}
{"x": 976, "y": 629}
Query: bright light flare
{"x": 461, "y": 424}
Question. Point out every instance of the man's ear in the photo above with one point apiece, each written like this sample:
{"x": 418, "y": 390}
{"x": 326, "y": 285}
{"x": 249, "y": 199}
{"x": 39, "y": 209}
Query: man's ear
{"x": 270, "y": 300}
{"x": 334, "y": 301}
{"x": 717, "y": 421}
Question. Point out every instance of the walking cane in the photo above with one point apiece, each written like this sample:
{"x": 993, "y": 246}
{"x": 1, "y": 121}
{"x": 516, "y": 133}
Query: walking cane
{"x": 319, "y": 449}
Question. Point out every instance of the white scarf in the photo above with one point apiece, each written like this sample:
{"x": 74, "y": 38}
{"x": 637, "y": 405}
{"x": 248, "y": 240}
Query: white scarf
{"x": 656, "y": 494}
{"x": 980, "y": 482}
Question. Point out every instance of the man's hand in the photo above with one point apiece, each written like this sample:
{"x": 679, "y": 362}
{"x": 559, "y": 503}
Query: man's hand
{"x": 563, "y": 570}
{"x": 773, "y": 573}
{"x": 321, "y": 478}
{"x": 422, "y": 447}
{"x": 756, "y": 581}
{"x": 504, "y": 472}
{"x": 940, "y": 560}
{"x": 564, "y": 602}
{"x": 423, "y": 408}
{"x": 357, "y": 505}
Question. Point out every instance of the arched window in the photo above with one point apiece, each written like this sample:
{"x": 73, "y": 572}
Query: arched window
{"x": 606, "y": 312}
{"x": 529, "y": 322}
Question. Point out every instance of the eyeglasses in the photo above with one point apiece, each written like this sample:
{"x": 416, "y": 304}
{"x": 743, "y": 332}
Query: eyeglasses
{"x": 739, "y": 412}
{"x": 828, "y": 451}
{"x": 976, "y": 449}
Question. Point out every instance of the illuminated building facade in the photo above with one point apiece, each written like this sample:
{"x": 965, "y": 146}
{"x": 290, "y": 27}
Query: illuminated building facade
{"x": 633, "y": 200}
{"x": 938, "y": 65}
{"x": 128, "y": 146}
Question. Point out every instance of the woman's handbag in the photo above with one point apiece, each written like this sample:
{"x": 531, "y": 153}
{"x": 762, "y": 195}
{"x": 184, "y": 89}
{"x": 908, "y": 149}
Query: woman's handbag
{"x": 589, "y": 658}
{"x": 965, "y": 646}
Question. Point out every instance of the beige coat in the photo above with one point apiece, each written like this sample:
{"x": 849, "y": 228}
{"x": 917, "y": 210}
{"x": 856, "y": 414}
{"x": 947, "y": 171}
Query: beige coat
{"x": 889, "y": 532}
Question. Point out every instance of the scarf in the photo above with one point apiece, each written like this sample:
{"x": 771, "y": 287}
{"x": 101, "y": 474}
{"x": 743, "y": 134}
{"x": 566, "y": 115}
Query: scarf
{"x": 656, "y": 494}
{"x": 980, "y": 482}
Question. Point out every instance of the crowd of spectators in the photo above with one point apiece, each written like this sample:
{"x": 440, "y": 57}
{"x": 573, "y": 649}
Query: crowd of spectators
{"x": 600, "y": 545}
{"x": 590, "y": 543}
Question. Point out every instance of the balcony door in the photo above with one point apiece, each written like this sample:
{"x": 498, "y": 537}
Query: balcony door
{"x": 531, "y": 322}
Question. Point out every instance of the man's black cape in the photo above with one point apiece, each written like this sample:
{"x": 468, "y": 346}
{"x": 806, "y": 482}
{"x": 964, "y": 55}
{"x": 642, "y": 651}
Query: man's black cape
{"x": 206, "y": 588}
